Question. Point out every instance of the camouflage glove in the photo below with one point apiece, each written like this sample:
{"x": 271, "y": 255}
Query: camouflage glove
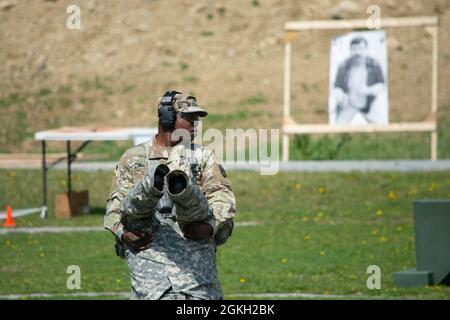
{"x": 138, "y": 207}
{"x": 191, "y": 204}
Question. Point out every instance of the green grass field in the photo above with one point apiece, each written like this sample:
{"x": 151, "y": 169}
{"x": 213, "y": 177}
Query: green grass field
{"x": 317, "y": 233}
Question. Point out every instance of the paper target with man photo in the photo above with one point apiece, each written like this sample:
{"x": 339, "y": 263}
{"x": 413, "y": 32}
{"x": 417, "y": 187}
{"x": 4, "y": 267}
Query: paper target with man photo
{"x": 358, "y": 79}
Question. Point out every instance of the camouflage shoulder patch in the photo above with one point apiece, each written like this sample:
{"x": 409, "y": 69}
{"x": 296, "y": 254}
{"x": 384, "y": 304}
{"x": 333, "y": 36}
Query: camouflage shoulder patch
{"x": 133, "y": 158}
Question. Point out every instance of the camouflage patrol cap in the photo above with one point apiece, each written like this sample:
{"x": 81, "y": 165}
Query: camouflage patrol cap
{"x": 186, "y": 104}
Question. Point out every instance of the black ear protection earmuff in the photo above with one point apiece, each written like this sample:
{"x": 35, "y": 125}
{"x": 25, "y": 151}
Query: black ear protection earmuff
{"x": 167, "y": 113}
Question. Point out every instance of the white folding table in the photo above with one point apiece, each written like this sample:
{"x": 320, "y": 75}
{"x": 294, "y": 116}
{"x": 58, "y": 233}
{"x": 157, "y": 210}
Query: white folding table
{"x": 87, "y": 135}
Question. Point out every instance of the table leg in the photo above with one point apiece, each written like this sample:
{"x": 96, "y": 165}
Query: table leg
{"x": 44, "y": 210}
{"x": 69, "y": 176}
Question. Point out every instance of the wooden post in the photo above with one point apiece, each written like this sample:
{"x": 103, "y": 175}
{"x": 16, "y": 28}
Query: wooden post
{"x": 433, "y": 31}
{"x": 286, "y": 96}
{"x": 434, "y": 88}
{"x": 285, "y": 157}
{"x": 359, "y": 23}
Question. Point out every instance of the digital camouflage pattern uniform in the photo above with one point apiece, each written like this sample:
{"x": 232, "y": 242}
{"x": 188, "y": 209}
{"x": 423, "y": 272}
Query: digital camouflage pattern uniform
{"x": 172, "y": 262}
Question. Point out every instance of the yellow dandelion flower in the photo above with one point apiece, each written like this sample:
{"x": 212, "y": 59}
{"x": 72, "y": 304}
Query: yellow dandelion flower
{"x": 298, "y": 186}
{"x": 379, "y": 213}
{"x": 284, "y": 260}
{"x": 412, "y": 192}
{"x": 383, "y": 239}
{"x": 322, "y": 190}
{"x": 12, "y": 174}
{"x": 242, "y": 280}
{"x": 392, "y": 195}
{"x": 307, "y": 237}
{"x": 322, "y": 253}
{"x": 8, "y": 242}
{"x": 433, "y": 186}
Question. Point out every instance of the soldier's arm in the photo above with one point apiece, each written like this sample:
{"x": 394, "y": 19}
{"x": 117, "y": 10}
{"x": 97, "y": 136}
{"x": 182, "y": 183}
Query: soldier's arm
{"x": 191, "y": 205}
{"x": 221, "y": 199}
{"x": 141, "y": 199}
{"x": 129, "y": 201}
{"x": 120, "y": 186}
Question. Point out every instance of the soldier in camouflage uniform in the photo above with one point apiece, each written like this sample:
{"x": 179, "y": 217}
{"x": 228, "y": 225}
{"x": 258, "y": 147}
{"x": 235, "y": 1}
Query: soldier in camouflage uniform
{"x": 170, "y": 205}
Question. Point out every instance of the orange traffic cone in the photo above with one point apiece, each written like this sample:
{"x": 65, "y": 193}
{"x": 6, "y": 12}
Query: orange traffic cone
{"x": 9, "y": 218}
